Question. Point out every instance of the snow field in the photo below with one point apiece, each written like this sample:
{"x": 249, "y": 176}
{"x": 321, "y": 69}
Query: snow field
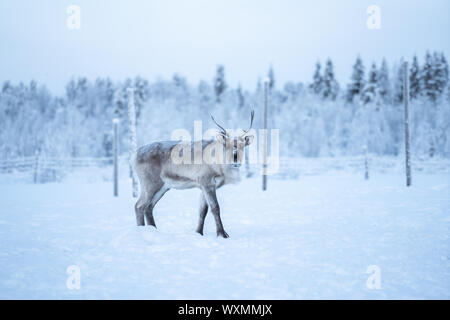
{"x": 309, "y": 238}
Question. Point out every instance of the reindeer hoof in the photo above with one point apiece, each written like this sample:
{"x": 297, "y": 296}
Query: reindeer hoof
{"x": 199, "y": 232}
{"x": 223, "y": 234}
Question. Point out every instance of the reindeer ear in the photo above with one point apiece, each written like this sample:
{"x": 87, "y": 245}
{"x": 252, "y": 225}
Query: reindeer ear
{"x": 248, "y": 140}
{"x": 221, "y": 138}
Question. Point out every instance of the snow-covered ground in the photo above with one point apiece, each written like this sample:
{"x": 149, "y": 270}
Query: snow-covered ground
{"x": 313, "y": 237}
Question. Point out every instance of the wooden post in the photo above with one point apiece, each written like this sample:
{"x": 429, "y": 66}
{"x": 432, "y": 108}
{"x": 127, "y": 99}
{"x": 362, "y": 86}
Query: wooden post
{"x": 406, "y": 101}
{"x": 116, "y": 156}
{"x": 133, "y": 142}
{"x": 264, "y": 166}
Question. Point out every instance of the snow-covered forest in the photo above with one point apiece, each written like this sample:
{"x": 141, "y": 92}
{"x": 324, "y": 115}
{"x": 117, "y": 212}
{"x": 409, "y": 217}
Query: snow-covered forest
{"x": 352, "y": 203}
{"x": 320, "y": 118}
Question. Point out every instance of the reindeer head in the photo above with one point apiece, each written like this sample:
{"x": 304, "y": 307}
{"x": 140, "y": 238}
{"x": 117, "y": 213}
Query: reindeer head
{"x": 234, "y": 145}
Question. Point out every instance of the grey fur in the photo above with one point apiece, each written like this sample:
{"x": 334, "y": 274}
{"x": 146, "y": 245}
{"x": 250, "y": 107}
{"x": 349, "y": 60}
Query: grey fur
{"x": 157, "y": 174}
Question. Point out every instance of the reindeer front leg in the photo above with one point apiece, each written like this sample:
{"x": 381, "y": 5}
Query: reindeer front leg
{"x": 209, "y": 192}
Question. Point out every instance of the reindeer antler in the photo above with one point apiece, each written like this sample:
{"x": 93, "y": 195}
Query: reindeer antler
{"x": 252, "y": 115}
{"x": 223, "y": 131}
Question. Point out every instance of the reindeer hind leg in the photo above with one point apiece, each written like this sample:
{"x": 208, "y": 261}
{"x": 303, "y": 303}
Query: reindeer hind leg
{"x": 154, "y": 196}
{"x": 139, "y": 209}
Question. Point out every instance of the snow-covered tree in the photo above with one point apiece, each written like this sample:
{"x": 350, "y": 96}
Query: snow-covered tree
{"x": 445, "y": 71}
{"x": 317, "y": 84}
{"x": 330, "y": 85}
{"x": 141, "y": 95}
{"x": 271, "y": 76}
{"x": 414, "y": 79}
{"x": 357, "y": 83}
{"x": 440, "y": 73}
{"x": 240, "y": 96}
{"x": 384, "y": 84}
{"x": 448, "y": 93}
{"x": 205, "y": 94}
{"x": 428, "y": 82}
{"x": 370, "y": 93}
{"x": 292, "y": 90}
{"x": 78, "y": 123}
{"x": 219, "y": 83}
{"x": 259, "y": 85}
{"x": 398, "y": 83}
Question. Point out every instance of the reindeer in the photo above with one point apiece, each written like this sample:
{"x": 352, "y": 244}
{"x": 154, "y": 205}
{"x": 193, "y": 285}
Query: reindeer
{"x": 159, "y": 170}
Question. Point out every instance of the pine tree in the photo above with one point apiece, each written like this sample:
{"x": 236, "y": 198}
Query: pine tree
{"x": 240, "y": 96}
{"x": 445, "y": 69}
{"x": 414, "y": 79}
{"x": 204, "y": 92}
{"x": 121, "y": 98}
{"x": 179, "y": 81}
{"x": 271, "y": 76}
{"x": 258, "y": 85}
{"x": 446, "y": 76}
{"x": 448, "y": 93}
{"x": 71, "y": 91}
{"x": 428, "y": 86}
{"x": 317, "y": 85}
{"x": 371, "y": 89}
{"x": 141, "y": 94}
{"x": 440, "y": 72}
{"x": 398, "y": 84}
{"x": 356, "y": 86}
{"x": 384, "y": 85}
{"x": 330, "y": 85}
{"x": 219, "y": 83}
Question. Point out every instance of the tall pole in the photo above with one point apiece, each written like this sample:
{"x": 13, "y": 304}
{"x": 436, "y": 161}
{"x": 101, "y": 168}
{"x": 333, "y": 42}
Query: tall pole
{"x": 133, "y": 144}
{"x": 406, "y": 100}
{"x": 264, "y": 171}
{"x": 116, "y": 157}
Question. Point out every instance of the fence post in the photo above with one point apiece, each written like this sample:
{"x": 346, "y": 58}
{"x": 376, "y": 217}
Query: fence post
{"x": 116, "y": 154}
{"x": 36, "y": 167}
{"x": 264, "y": 171}
{"x": 406, "y": 101}
{"x": 132, "y": 117}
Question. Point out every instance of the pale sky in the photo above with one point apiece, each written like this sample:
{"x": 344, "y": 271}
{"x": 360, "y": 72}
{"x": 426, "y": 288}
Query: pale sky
{"x": 157, "y": 38}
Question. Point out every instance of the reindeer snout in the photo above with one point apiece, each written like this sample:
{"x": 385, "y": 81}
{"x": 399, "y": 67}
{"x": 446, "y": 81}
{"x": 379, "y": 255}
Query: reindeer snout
{"x": 236, "y": 163}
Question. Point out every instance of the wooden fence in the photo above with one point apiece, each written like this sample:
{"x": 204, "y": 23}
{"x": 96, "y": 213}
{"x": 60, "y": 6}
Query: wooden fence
{"x": 46, "y": 169}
